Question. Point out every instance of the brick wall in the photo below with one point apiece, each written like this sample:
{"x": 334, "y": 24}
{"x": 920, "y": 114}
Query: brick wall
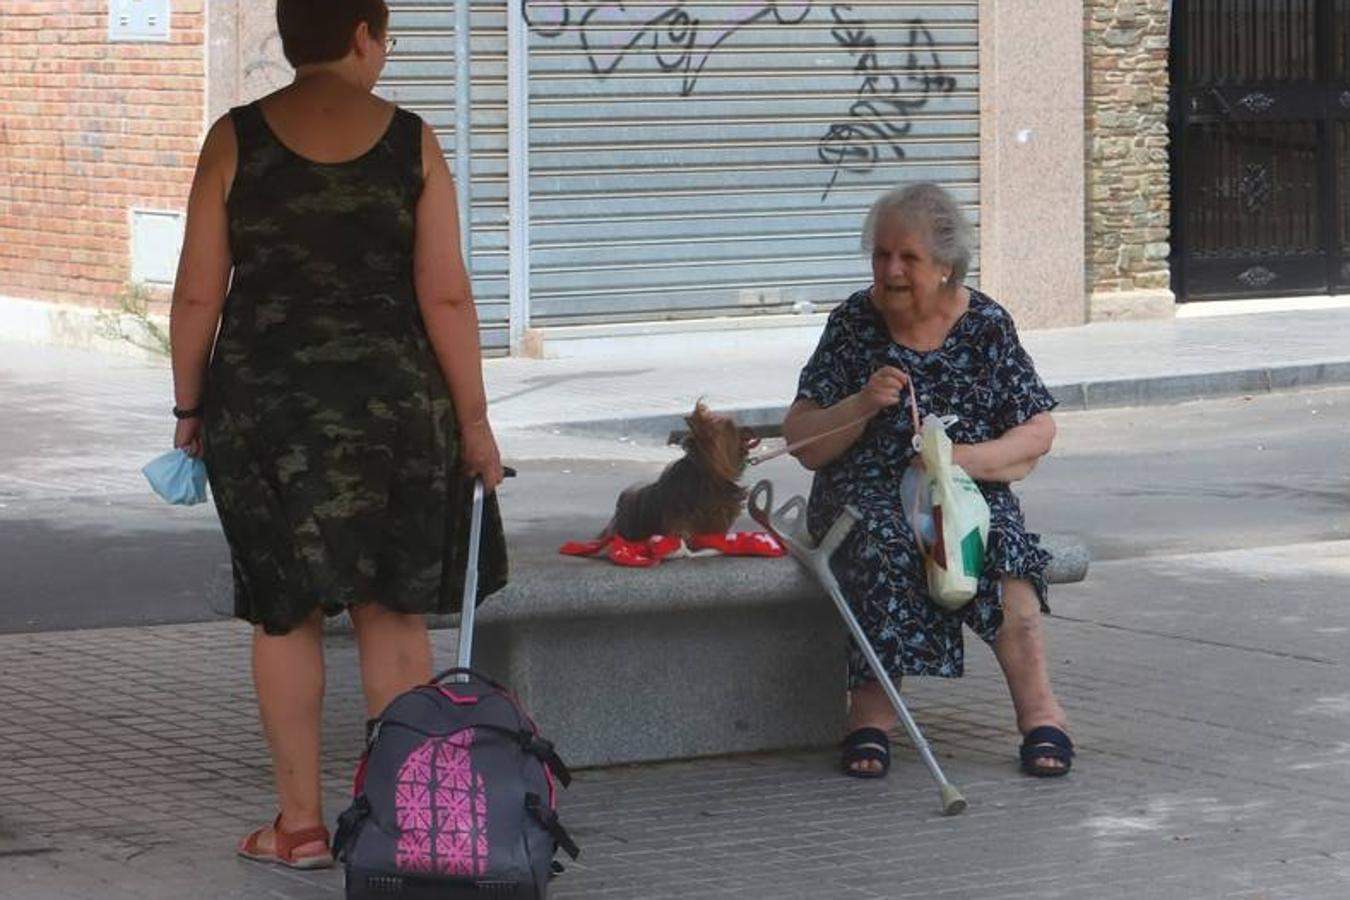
{"x": 1128, "y": 194}
{"x": 88, "y": 130}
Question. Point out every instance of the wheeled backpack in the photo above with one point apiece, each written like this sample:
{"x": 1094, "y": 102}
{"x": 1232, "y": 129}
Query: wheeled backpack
{"x": 455, "y": 794}
{"x": 455, "y": 798}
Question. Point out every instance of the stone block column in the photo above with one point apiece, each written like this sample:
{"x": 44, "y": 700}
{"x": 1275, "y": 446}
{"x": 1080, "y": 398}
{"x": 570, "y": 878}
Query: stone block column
{"x": 1032, "y": 152}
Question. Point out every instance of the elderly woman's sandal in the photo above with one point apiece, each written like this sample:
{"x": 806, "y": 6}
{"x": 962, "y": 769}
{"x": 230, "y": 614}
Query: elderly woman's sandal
{"x": 284, "y": 845}
{"x": 1046, "y": 742}
{"x": 866, "y": 745}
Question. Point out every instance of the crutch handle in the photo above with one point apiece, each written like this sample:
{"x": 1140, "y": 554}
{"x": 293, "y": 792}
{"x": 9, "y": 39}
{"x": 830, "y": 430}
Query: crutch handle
{"x": 760, "y": 503}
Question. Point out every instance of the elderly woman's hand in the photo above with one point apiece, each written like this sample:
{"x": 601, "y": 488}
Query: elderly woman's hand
{"x": 885, "y": 388}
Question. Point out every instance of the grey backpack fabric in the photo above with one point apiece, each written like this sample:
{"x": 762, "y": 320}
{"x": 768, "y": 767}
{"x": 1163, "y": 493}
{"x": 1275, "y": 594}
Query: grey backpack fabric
{"x": 454, "y": 798}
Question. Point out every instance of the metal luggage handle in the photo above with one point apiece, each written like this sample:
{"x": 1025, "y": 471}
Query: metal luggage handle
{"x": 469, "y": 602}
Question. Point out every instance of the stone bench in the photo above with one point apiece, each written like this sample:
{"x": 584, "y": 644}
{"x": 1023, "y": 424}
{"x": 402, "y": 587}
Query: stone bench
{"x": 691, "y": 658}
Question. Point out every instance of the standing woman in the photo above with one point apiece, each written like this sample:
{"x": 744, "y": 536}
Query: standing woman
{"x": 327, "y": 367}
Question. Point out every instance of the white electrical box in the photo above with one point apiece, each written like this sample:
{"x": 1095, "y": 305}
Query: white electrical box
{"x": 156, "y": 241}
{"x": 138, "y": 20}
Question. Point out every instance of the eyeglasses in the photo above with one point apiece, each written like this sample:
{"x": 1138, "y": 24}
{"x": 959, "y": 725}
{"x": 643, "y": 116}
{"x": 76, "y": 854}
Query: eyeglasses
{"x": 389, "y": 44}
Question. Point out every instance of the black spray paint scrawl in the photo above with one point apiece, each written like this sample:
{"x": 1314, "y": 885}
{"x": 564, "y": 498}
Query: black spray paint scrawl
{"x": 887, "y": 100}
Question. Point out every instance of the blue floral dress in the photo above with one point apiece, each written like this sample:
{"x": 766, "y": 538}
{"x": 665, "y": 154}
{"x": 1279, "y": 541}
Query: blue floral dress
{"x": 981, "y": 374}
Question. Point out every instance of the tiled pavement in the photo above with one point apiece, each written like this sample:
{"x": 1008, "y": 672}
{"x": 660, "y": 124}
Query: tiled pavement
{"x": 1210, "y": 696}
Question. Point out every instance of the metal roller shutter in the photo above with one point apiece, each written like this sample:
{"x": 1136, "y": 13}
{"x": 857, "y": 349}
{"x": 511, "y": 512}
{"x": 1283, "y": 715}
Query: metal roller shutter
{"x": 716, "y": 158}
{"x": 421, "y": 77}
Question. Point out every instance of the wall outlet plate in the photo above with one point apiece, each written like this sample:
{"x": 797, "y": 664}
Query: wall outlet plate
{"x": 138, "y": 20}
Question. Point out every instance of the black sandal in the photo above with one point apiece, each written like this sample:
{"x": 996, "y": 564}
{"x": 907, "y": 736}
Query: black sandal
{"x": 1046, "y": 742}
{"x": 866, "y": 745}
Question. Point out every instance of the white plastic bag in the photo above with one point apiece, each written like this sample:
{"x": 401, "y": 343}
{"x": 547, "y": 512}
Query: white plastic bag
{"x": 954, "y": 542}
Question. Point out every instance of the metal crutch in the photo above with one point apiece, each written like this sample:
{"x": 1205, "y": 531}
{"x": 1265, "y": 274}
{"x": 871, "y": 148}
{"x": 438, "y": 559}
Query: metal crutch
{"x": 788, "y": 524}
{"x": 469, "y": 603}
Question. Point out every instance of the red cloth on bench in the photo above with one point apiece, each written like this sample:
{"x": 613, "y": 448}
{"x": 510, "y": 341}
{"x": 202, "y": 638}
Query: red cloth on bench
{"x": 650, "y": 552}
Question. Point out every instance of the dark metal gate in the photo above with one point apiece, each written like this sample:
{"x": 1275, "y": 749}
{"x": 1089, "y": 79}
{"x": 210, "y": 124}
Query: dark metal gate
{"x": 1260, "y": 148}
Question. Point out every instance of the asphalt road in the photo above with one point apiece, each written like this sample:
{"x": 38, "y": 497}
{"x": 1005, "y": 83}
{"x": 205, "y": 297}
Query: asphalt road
{"x": 84, "y": 544}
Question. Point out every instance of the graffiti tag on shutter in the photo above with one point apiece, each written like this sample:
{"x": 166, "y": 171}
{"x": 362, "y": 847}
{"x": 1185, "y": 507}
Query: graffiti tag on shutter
{"x": 887, "y": 100}
{"x": 679, "y": 41}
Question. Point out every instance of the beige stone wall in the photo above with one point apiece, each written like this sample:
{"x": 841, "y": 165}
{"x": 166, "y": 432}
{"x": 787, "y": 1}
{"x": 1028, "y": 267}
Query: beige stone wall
{"x": 245, "y": 55}
{"x": 1128, "y": 194}
{"x": 1031, "y": 159}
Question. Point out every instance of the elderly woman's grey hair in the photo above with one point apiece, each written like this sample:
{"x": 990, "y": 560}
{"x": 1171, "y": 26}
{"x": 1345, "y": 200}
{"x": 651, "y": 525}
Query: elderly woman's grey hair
{"x": 930, "y": 209}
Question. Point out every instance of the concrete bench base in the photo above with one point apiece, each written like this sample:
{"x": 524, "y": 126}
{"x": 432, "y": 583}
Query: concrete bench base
{"x": 691, "y": 658}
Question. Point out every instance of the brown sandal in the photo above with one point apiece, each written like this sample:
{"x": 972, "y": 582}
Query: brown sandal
{"x": 284, "y": 846}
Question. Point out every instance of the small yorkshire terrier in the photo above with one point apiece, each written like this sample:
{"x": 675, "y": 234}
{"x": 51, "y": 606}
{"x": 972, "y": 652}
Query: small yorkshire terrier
{"x": 697, "y": 493}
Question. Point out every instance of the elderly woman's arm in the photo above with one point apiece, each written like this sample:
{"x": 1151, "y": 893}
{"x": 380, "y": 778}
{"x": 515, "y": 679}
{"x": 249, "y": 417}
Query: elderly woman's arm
{"x": 806, "y": 419}
{"x": 1011, "y": 457}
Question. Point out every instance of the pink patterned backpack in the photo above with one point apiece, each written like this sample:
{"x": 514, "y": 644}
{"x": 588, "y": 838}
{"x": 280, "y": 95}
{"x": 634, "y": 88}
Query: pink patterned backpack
{"x": 454, "y": 798}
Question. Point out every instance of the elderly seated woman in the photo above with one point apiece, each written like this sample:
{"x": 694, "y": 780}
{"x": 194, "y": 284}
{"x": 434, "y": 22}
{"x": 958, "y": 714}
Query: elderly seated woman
{"x": 918, "y": 323}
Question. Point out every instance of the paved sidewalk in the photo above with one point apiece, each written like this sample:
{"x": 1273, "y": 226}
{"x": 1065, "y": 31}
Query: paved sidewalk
{"x": 1088, "y": 367}
{"x": 1214, "y": 763}
{"x": 625, "y": 407}
{"x": 1210, "y": 693}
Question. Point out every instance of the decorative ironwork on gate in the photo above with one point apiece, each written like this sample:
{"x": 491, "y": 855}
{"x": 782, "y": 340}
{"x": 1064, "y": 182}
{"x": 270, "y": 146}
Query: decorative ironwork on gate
{"x": 1261, "y": 147}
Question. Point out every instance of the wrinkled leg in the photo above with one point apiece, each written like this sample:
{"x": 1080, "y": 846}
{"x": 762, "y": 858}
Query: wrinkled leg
{"x": 1020, "y": 649}
{"x": 869, "y": 707}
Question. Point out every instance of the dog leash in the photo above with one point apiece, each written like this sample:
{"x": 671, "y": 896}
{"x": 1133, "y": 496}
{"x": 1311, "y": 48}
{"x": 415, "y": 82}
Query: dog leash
{"x": 797, "y": 445}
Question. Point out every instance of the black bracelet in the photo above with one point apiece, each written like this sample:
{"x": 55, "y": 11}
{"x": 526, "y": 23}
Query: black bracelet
{"x": 194, "y": 413}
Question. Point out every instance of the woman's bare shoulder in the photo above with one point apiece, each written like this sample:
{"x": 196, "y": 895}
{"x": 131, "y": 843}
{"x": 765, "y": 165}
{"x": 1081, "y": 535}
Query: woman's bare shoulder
{"x": 220, "y": 150}
{"x": 221, "y": 132}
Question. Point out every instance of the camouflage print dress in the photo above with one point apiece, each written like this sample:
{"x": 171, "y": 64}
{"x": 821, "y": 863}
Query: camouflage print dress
{"x": 331, "y": 440}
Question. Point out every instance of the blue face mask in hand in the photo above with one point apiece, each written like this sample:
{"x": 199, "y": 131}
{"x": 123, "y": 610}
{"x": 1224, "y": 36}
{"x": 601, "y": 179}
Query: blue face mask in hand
{"x": 177, "y": 477}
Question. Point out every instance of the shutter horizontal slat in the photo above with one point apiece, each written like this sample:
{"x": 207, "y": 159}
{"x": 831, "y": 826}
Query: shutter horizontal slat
{"x": 420, "y": 75}
{"x": 663, "y": 187}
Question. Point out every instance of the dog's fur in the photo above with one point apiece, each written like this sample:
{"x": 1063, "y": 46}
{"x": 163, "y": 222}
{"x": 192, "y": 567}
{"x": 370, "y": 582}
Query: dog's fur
{"x": 696, "y": 494}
